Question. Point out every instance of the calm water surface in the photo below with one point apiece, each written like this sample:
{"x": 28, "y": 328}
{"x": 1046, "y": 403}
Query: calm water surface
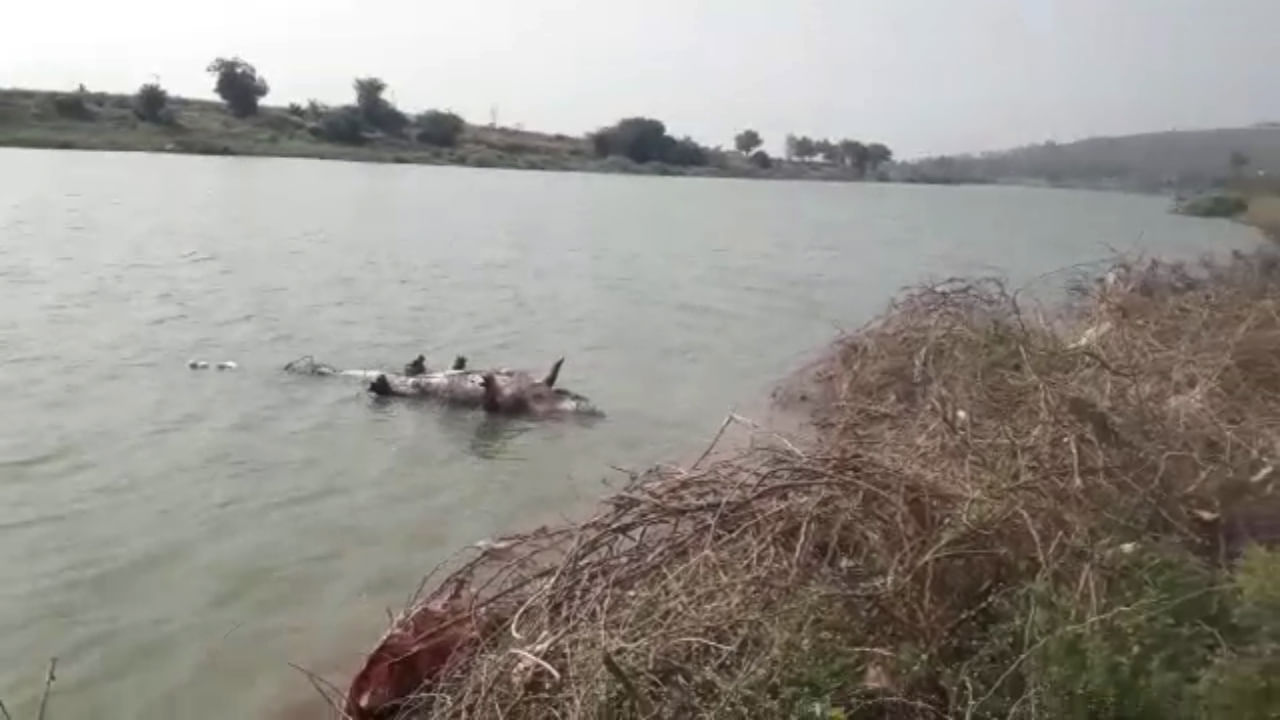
{"x": 177, "y": 538}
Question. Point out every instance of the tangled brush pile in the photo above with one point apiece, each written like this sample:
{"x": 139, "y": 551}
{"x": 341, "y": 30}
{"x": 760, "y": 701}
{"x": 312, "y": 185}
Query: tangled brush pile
{"x": 993, "y": 517}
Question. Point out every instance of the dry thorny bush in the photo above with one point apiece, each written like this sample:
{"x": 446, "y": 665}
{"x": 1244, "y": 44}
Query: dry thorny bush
{"x": 971, "y": 472}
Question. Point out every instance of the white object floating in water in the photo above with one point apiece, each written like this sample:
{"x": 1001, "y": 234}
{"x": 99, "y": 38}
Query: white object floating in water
{"x": 198, "y": 364}
{"x": 227, "y": 365}
{"x": 362, "y": 374}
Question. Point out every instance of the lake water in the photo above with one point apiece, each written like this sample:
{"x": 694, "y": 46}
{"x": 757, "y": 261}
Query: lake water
{"x": 177, "y": 538}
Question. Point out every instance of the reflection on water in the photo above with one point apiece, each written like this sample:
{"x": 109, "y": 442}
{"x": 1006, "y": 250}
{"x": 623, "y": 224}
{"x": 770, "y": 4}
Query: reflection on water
{"x": 491, "y": 439}
{"x": 177, "y": 538}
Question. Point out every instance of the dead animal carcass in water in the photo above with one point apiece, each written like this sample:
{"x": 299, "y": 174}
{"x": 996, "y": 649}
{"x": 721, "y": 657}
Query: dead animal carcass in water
{"x": 413, "y": 654}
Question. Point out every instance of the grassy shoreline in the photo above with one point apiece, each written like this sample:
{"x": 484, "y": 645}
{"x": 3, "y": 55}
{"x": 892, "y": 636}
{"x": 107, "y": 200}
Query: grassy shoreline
{"x": 1254, "y": 202}
{"x": 996, "y": 515}
{"x": 30, "y": 119}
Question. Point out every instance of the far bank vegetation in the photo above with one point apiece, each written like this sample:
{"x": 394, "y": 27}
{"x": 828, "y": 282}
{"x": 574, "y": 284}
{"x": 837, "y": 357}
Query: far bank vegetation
{"x": 371, "y": 127}
{"x": 1182, "y": 161}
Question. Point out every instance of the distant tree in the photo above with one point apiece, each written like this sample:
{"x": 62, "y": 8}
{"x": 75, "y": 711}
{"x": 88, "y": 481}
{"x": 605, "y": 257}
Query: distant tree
{"x": 239, "y": 85}
{"x": 877, "y": 155}
{"x": 805, "y": 147}
{"x": 761, "y": 160}
{"x": 646, "y": 140}
{"x": 1238, "y": 161}
{"x": 376, "y": 110}
{"x": 685, "y": 152}
{"x": 747, "y": 141}
{"x": 296, "y": 110}
{"x": 715, "y": 157}
{"x": 641, "y": 139}
{"x": 341, "y": 125}
{"x": 854, "y": 154}
{"x": 792, "y": 144}
{"x": 437, "y": 127}
{"x": 390, "y": 120}
{"x": 828, "y": 150}
{"x": 369, "y": 92}
{"x": 316, "y": 109}
{"x": 151, "y": 104}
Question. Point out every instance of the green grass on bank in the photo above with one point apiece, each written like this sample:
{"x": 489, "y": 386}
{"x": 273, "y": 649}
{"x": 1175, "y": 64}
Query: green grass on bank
{"x": 1215, "y": 205}
{"x": 1254, "y": 201}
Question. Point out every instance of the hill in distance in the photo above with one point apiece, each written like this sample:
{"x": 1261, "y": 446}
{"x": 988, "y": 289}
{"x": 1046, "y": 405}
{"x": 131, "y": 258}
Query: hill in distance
{"x": 1173, "y": 161}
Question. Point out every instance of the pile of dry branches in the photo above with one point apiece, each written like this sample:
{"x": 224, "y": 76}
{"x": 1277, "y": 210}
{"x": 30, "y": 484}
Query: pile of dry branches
{"x": 963, "y": 452}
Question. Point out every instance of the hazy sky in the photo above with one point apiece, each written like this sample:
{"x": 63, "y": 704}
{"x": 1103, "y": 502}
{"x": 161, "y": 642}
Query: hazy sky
{"x": 924, "y": 76}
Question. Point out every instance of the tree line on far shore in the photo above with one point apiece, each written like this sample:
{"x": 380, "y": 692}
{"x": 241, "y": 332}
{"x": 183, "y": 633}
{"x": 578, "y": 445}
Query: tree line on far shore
{"x": 640, "y": 139}
{"x": 242, "y": 88}
{"x": 861, "y": 157}
{"x": 646, "y": 140}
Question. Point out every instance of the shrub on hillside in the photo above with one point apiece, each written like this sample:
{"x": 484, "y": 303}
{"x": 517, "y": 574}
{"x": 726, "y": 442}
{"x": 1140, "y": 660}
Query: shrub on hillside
{"x": 638, "y": 138}
{"x": 440, "y": 128}
{"x": 761, "y": 160}
{"x": 646, "y": 140}
{"x": 283, "y": 123}
{"x": 1218, "y": 205}
{"x": 685, "y": 152}
{"x": 376, "y": 110}
{"x": 341, "y": 125}
{"x": 151, "y": 104}
{"x": 389, "y": 120}
{"x": 72, "y": 107}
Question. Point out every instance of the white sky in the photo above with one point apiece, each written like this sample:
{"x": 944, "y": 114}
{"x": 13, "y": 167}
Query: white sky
{"x": 923, "y": 76}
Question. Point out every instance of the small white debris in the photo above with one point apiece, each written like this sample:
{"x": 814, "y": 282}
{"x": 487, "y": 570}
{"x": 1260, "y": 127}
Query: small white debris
{"x": 198, "y": 364}
{"x": 498, "y": 549}
{"x": 1091, "y": 335}
{"x": 1262, "y": 474}
{"x": 227, "y": 365}
{"x": 1128, "y": 548}
{"x": 962, "y": 416}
